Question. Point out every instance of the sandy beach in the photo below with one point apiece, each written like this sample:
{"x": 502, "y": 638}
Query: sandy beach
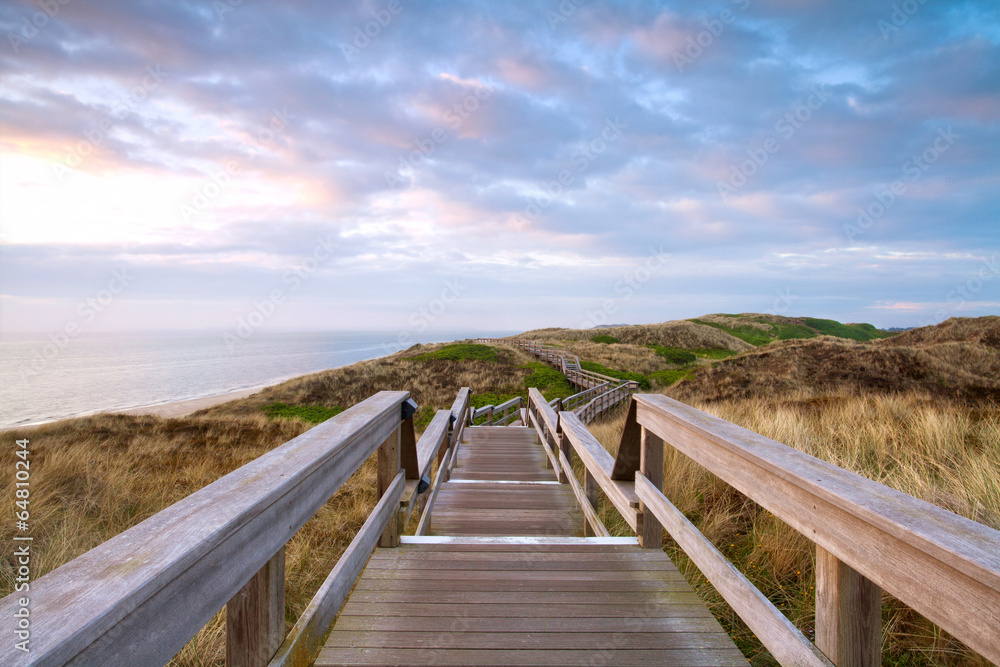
{"x": 186, "y": 407}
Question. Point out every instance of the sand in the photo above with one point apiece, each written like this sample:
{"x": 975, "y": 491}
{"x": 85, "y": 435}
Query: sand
{"x": 186, "y": 407}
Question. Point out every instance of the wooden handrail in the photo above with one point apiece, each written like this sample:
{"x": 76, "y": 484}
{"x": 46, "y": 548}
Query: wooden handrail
{"x": 303, "y": 642}
{"x": 785, "y": 642}
{"x": 868, "y": 535}
{"x": 118, "y": 604}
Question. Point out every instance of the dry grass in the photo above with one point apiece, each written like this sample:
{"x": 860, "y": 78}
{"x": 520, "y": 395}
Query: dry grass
{"x": 95, "y": 477}
{"x": 680, "y": 333}
{"x": 944, "y": 452}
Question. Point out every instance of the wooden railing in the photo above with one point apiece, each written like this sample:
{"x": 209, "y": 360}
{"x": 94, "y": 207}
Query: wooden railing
{"x": 601, "y": 392}
{"x": 568, "y": 364}
{"x": 509, "y": 410}
{"x": 141, "y": 596}
{"x": 868, "y": 537}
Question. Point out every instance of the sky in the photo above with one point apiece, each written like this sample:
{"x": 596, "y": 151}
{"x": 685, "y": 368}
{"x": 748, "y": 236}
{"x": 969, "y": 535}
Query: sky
{"x": 409, "y": 166}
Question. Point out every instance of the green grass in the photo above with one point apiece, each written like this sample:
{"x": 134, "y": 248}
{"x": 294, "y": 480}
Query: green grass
{"x": 714, "y": 353}
{"x": 548, "y": 380}
{"x": 621, "y": 375}
{"x": 860, "y": 332}
{"x": 745, "y": 332}
{"x": 667, "y": 378}
{"x": 790, "y": 331}
{"x": 462, "y": 352}
{"x": 604, "y": 338}
{"x": 314, "y": 414}
{"x": 675, "y": 355}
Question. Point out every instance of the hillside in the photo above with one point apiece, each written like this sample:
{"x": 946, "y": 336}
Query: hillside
{"x": 959, "y": 359}
{"x": 670, "y": 351}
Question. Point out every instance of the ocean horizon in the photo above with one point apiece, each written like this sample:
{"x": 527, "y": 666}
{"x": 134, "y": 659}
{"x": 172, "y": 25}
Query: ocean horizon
{"x": 45, "y": 378}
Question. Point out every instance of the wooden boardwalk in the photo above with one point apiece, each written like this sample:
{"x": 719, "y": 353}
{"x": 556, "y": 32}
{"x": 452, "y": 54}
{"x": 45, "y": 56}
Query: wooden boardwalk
{"x": 505, "y": 578}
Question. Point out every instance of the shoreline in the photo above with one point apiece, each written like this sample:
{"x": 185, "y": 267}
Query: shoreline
{"x": 179, "y": 408}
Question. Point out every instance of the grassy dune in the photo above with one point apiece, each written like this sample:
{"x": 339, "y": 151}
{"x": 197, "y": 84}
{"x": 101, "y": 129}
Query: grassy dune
{"x": 933, "y": 433}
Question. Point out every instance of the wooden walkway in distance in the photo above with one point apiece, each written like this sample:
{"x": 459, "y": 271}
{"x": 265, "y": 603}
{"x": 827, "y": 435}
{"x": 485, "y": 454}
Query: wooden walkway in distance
{"x": 506, "y": 579}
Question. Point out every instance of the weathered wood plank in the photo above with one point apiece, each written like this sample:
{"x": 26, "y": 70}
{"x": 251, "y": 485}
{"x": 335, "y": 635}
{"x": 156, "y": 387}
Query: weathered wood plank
{"x": 848, "y": 614}
{"x": 387, "y": 471}
{"x": 529, "y": 658}
{"x": 651, "y": 465}
{"x": 501, "y": 624}
{"x": 589, "y": 513}
{"x": 304, "y": 641}
{"x": 255, "y": 616}
{"x": 430, "y": 441}
{"x": 127, "y": 602}
{"x": 599, "y": 462}
{"x": 776, "y": 632}
{"x": 520, "y": 641}
{"x": 425, "y": 519}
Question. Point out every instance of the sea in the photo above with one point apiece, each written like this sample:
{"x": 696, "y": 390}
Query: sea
{"x": 43, "y": 379}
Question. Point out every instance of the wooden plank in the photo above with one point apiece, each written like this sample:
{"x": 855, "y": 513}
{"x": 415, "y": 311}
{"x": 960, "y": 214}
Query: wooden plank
{"x": 306, "y": 637}
{"x": 255, "y": 616}
{"x": 599, "y": 462}
{"x": 430, "y": 441}
{"x": 530, "y": 597}
{"x": 471, "y": 639}
{"x": 651, "y": 465}
{"x": 425, "y": 519}
{"x": 117, "y": 605}
{"x": 942, "y": 565}
{"x": 779, "y": 636}
{"x": 589, "y": 513}
{"x": 685, "y": 624}
{"x": 690, "y": 607}
{"x": 387, "y": 471}
{"x": 528, "y": 658}
{"x": 848, "y": 614}
{"x": 408, "y": 450}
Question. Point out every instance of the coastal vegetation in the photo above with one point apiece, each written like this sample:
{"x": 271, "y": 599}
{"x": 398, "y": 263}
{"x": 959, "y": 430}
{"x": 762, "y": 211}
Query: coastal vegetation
{"x": 917, "y": 411}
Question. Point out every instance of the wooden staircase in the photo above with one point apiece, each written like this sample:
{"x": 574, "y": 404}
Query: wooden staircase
{"x": 504, "y": 578}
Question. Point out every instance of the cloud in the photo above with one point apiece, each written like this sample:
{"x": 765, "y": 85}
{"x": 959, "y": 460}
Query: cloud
{"x": 398, "y": 153}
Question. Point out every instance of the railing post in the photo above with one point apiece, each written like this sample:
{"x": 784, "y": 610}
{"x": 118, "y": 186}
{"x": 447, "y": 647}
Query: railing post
{"x": 255, "y": 617}
{"x": 848, "y": 614}
{"x": 590, "y": 489}
{"x": 648, "y": 528}
{"x": 388, "y": 468}
{"x": 567, "y": 448}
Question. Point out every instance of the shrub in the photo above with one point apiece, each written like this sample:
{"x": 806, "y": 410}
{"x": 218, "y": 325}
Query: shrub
{"x": 549, "y": 381}
{"x": 462, "y": 352}
{"x": 314, "y": 414}
{"x": 675, "y": 355}
{"x": 620, "y": 375}
{"x": 667, "y": 378}
{"x": 604, "y": 338}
